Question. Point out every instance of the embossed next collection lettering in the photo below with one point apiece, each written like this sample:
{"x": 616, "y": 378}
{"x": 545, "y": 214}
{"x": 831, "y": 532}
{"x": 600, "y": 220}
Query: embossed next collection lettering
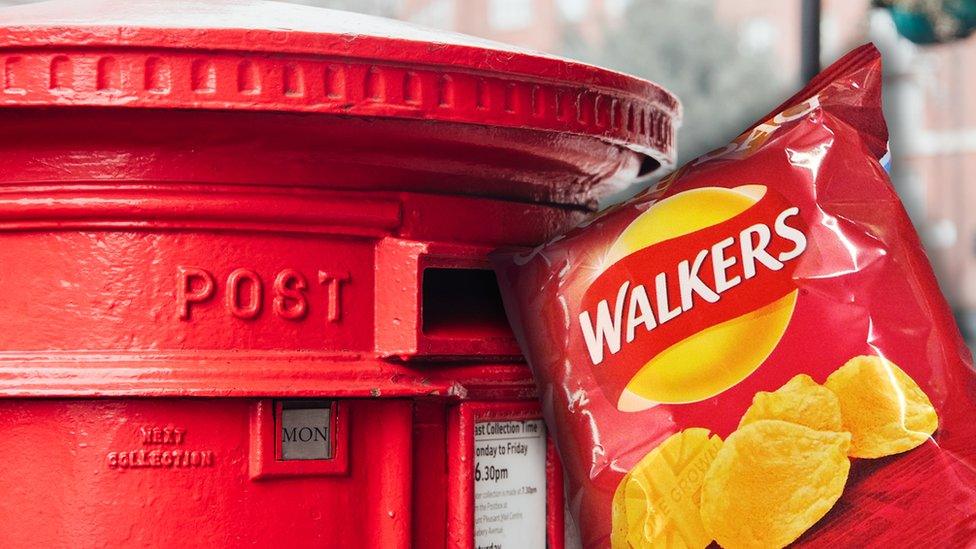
{"x": 165, "y": 451}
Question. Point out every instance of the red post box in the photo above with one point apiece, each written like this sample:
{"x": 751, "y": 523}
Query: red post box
{"x": 245, "y": 300}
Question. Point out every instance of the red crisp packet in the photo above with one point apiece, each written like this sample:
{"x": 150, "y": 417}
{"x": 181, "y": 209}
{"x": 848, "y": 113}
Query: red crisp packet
{"x": 756, "y": 353}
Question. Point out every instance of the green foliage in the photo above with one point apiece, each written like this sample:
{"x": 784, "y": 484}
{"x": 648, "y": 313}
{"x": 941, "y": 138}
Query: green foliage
{"x": 933, "y": 21}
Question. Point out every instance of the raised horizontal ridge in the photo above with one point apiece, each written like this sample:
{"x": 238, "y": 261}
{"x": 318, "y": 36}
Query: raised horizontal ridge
{"x": 175, "y": 78}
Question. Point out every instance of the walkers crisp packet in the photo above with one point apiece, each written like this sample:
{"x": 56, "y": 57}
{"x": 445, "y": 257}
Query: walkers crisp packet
{"x": 755, "y": 353}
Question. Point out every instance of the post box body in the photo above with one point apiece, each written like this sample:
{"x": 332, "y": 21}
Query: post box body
{"x": 245, "y": 297}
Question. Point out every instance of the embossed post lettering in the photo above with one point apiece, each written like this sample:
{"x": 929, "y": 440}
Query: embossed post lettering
{"x": 289, "y": 302}
{"x": 236, "y": 304}
{"x": 333, "y": 283}
{"x": 193, "y": 285}
{"x": 244, "y": 293}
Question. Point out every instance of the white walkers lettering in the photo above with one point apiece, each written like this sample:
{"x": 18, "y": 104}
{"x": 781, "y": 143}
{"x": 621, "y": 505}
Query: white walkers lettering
{"x": 612, "y": 328}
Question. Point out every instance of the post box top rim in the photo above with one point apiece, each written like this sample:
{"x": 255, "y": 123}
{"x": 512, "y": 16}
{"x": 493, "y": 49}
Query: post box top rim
{"x": 189, "y": 23}
{"x": 208, "y": 29}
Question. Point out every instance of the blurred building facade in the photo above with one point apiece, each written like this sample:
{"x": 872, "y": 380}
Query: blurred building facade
{"x": 930, "y": 90}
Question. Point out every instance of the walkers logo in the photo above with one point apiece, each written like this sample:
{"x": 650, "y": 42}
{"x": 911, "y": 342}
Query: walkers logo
{"x": 698, "y": 293}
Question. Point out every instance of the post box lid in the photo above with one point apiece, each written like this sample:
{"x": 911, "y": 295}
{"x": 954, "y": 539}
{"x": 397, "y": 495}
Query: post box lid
{"x": 256, "y": 55}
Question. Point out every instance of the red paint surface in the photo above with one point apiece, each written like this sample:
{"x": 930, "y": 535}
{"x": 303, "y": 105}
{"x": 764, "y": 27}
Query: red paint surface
{"x": 64, "y": 494}
{"x": 205, "y": 206}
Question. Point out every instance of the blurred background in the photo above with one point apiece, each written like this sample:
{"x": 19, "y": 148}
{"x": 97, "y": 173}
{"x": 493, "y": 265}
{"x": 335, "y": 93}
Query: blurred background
{"x": 730, "y": 61}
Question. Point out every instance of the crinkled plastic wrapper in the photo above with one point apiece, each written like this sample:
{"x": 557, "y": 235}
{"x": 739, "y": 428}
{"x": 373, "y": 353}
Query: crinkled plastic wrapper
{"x": 772, "y": 295}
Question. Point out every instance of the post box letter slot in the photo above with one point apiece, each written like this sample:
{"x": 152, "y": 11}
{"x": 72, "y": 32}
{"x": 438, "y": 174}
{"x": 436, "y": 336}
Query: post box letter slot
{"x": 462, "y": 303}
{"x": 306, "y": 430}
